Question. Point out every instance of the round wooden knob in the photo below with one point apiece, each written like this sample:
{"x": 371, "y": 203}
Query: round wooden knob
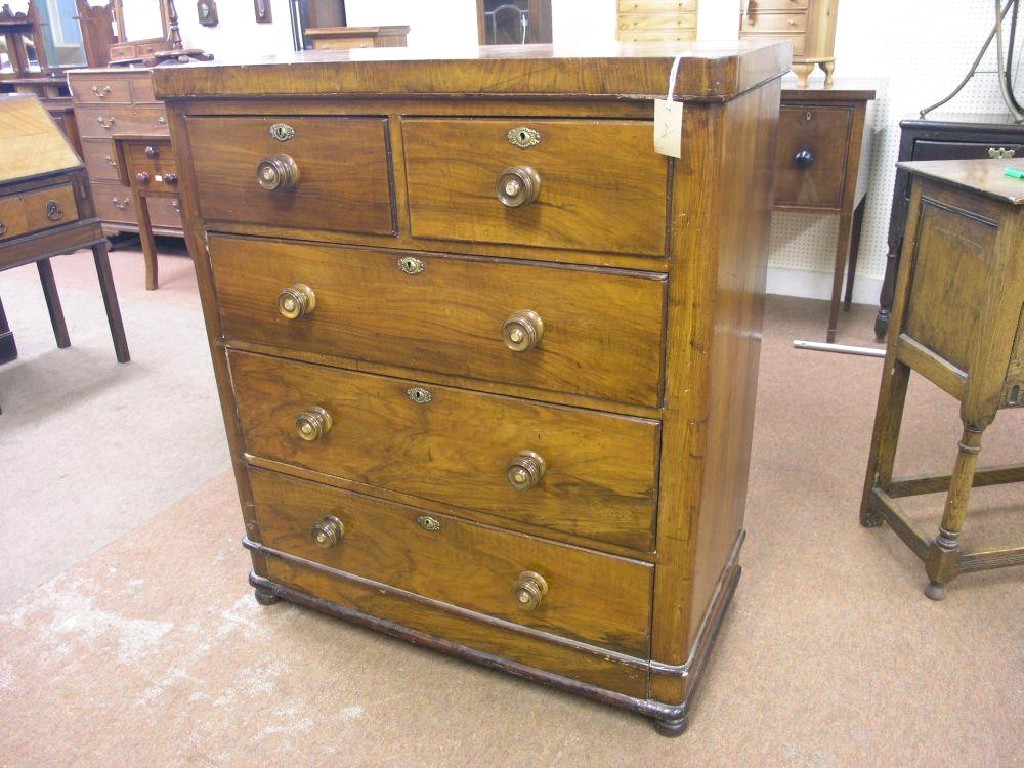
{"x": 142, "y": 177}
{"x": 278, "y": 173}
{"x": 518, "y": 186}
{"x": 803, "y": 158}
{"x": 529, "y": 590}
{"x": 296, "y": 301}
{"x": 526, "y": 470}
{"x": 314, "y": 423}
{"x": 151, "y": 151}
{"x": 327, "y": 532}
{"x": 522, "y": 330}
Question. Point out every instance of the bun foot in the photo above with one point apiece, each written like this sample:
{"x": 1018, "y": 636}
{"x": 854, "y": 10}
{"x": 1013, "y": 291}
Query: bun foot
{"x": 935, "y": 591}
{"x": 671, "y": 727}
{"x": 265, "y": 596}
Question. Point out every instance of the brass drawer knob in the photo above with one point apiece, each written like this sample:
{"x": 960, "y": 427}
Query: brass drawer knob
{"x": 296, "y": 301}
{"x": 526, "y": 470}
{"x": 314, "y": 423}
{"x": 518, "y": 186}
{"x": 142, "y": 177}
{"x": 529, "y": 590}
{"x": 170, "y": 178}
{"x": 522, "y": 330}
{"x": 151, "y": 151}
{"x": 803, "y": 159}
{"x": 278, "y": 173}
{"x": 327, "y": 532}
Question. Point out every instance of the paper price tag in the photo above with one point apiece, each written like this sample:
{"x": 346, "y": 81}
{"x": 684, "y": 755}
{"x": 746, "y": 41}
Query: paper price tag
{"x": 668, "y": 119}
{"x": 668, "y": 127}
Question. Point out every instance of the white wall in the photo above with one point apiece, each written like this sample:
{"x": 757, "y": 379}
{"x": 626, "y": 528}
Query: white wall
{"x": 915, "y": 52}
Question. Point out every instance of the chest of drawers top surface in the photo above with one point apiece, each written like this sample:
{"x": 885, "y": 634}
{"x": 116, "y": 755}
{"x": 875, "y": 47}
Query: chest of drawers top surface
{"x": 464, "y": 322}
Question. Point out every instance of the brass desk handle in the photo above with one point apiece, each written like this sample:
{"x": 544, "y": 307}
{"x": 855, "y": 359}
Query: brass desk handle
{"x": 517, "y": 187}
{"x": 176, "y": 205}
{"x": 314, "y": 423}
{"x": 526, "y": 470}
{"x": 53, "y": 210}
{"x": 529, "y": 590}
{"x": 804, "y": 158}
{"x": 120, "y": 204}
{"x": 162, "y": 120}
{"x": 522, "y": 330}
{"x": 142, "y": 177}
{"x": 110, "y": 161}
{"x": 102, "y": 91}
{"x": 327, "y": 532}
{"x": 106, "y": 122}
{"x": 151, "y": 151}
{"x": 278, "y": 173}
{"x": 296, "y": 301}
{"x": 1002, "y": 153}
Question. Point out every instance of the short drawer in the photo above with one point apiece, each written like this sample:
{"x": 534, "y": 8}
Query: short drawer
{"x": 583, "y": 472}
{"x": 164, "y": 212}
{"x": 327, "y": 172}
{"x": 778, "y": 22}
{"x": 754, "y": 6}
{"x": 142, "y": 89}
{"x": 962, "y": 150}
{"x": 647, "y": 22}
{"x": 599, "y": 331}
{"x": 600, "y": 186}
{"x": 104, "y": 123}
{"x": 811, "y": 155}
{"x": 101, "y": 90}
{"x": 100, "y": 162}
{"x": 656, "y": 35}
{"x": 598, "y": 599}
{"x": 113, "y": 202}
{"x": 654, "y": 6}
{"x": 37, "y": 210}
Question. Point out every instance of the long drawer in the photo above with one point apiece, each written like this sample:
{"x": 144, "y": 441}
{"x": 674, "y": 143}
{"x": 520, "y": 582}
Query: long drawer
{"x": 598, "y": 187}
{"x": 36, "y": 210}
{"x": 595, "y": 598}
{"x": 326, "y": 172}
{"x": 600, "y": 330}
{"x": 782, "y": 23}
{"x": 574, "y": 471}
{"x": 104, "y": 122}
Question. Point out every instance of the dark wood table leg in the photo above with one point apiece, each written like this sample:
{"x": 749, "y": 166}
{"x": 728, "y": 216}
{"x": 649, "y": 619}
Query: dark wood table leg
{"x": 888, "y": 289}
{"x": 851, "y": 272}
{"x": 109, "y": 294}
{"x": 842, "y": 254}
{"x": 60, "y": 326}
{"x": 8, "y": 351}
{"x": 147, "y": 240}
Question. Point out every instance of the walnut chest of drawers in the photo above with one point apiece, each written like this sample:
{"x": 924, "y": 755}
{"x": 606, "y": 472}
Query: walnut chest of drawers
{"x": 487, "y": 361}
{"x": 109, "y": 102}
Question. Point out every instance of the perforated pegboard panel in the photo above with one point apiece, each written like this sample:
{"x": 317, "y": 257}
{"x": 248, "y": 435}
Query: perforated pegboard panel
{"x": 922, "y": 51}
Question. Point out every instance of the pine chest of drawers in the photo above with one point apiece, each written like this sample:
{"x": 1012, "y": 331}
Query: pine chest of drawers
{"x": 487, "y": 361}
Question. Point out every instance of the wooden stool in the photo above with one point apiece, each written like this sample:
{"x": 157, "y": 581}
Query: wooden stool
{"x": 957, "y": 320}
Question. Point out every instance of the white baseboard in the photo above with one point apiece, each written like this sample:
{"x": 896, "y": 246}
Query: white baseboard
{"x": 818, "y": 285}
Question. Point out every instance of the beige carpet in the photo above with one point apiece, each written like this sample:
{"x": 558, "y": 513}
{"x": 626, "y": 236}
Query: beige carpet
{"x": 152, "y": 651}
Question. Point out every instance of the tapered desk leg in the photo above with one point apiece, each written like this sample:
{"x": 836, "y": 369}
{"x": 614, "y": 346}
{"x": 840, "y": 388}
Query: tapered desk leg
{"x": 109, "y": 294}
{"x": 842, "y": 254}
{"x": 851, "y": 271}
{"x": 944, "y": 552}
{"x": 57, "y": 322}
{"x": 147, "y": 241}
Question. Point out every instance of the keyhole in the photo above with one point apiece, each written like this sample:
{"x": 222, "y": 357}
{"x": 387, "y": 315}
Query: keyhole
{"x": 522, "y": 137}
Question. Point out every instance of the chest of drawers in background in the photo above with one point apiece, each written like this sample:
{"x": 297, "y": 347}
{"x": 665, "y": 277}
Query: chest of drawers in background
{"x": 110, "y": 102}
{"x": 810, "y": 25}
{"x": 656, "y": 20}
{"x": 488, "y": 364}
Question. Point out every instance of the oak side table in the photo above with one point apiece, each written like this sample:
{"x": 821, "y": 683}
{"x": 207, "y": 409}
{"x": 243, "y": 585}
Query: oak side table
{"x": 957, "y": 320}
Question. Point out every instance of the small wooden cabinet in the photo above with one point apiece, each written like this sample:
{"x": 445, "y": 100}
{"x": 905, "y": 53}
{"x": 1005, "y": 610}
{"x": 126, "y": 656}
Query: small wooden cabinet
{"x": 109, "y": 102}
{"x": 810, "y": 25}
{"x": 487, "y": 362}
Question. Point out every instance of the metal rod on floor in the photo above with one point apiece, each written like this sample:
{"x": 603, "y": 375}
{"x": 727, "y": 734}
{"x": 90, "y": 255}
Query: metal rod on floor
{"x": 846, "y": 349}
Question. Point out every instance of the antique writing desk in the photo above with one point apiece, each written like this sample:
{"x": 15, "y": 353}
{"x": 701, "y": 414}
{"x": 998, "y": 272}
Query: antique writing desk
{"x": 487, "y": 361}
{"x": 957, "y": 320}
{"x": 46, "y": 208}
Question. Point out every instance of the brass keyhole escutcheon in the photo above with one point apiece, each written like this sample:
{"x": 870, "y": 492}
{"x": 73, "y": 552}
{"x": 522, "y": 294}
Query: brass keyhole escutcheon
{"x": 518, "y": 186}
{"x": 53, "y": 210}
{"x": 296, "y": 301}
{"x": 410, "y": 265}
{"x": 529, "y": 590}
{"x": 314, "y": 423}
{"x": 278, "y": 173}
{"x": 327, "y": 532}
{"x": 523, "y": 137}
{"x": 428, "y": 523}
{"x": 526, "y": 470}
{"x": 522, "y": 330}
{"x": 419, "y": 395}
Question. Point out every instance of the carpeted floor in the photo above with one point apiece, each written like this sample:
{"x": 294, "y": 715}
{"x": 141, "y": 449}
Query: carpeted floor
{"x": 150, "y": 650}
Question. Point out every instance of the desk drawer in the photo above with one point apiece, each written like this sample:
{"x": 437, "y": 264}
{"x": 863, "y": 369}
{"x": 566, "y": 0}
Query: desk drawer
{"x": 651, "y": 22}
{"x": 104, "y": 123}
{"x": 164, "y": 211}
{"x": 114, "y": 202}
{"x": 12, "y": 218}
{"x": 601, "y": 329}
{"x": 961, "y": 150}
{"x": 99, "y": 89}
{"x": 458, "y": 447}
{"x": 601, "y": 186}
{"x": 37, "y": 210}
{"x": 100, "y": 162}
{"x": 810, "y": 161}
{"x": 595, "y": 598}
{"x": 340, "y": 176}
